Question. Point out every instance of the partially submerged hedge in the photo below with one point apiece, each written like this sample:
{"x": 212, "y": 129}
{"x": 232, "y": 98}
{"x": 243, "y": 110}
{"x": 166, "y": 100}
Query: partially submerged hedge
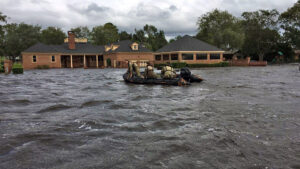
{"x": 199, "y": 65}
{"x": 17, "y": 68}
{"x": 196, "y": 65}
{"x": 42, "y": 67}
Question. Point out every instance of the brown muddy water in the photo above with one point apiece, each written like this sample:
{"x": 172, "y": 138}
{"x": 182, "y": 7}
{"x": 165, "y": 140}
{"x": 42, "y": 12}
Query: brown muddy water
{"x": 238, "y": 117}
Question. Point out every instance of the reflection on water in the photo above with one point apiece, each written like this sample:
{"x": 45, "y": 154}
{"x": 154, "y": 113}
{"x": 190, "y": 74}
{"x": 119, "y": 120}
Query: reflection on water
{"x": 237, "y": 118}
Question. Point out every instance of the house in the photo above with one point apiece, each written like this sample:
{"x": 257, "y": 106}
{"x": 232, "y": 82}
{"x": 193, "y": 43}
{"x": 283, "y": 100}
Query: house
{"x": 67, "y": 55}
{"x": 78, "y": 53}
{"x": 118, "y": 54}
{"x": 189, "y": 50}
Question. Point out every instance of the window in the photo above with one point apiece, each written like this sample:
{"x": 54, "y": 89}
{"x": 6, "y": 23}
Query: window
{"x": 53, "y": 58}
{"x": 187, "y": 56}
{"x": 174, "y": 56}
{"x": 201, "y": 56}
{"x": 157, "y": 57}
{"x": 166, "y": 57}
{"x": 134, "y": 47}
{"x": 34, "y": 58}
{"x": 215, "y": 56}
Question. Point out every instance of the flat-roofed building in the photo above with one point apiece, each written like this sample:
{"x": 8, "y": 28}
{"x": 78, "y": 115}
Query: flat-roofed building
{"x": 189, "y": 50}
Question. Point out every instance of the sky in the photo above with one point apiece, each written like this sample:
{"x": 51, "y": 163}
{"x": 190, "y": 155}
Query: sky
{"x": 175, "y": 17}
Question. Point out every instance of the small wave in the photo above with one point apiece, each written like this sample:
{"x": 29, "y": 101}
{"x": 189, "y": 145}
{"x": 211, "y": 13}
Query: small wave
{"x": 22, "y": 102}
{"x": 57, "y": 107}
{"x": 94, "y": 103}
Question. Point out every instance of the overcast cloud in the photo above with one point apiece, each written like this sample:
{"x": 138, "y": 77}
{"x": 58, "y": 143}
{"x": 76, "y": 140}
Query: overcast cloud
{"x": 173, "y": 16}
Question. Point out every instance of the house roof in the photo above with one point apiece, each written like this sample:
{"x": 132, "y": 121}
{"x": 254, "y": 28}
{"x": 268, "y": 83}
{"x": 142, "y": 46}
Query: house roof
{"x": 188, "y": 43}
{"x": 84, "y": 48}
{"x": 125, "y": 46}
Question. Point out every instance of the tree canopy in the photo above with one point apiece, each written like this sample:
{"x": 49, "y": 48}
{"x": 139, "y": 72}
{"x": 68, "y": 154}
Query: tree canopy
{"x": 290, "y": 22}
{"x": 53, "y": 36}
{"x": 82, "y": 32}
{"x": 221, "y": 29}
{"x": 19, "y": 37}
{"x": 261, "y": 33}
{"x": 106, "y": 34}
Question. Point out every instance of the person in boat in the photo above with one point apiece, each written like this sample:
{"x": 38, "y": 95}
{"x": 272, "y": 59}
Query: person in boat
{"x": 167, "y": 72}
{"x": 149, "y": 72}
{"x": 136, "y": 70}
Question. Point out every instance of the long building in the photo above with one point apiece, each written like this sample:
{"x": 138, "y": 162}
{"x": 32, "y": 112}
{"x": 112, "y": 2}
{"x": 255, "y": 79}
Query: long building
{"x": 78, "y": 53}
{"x": 189, "y": 50}
{"x": 81, "y": 54}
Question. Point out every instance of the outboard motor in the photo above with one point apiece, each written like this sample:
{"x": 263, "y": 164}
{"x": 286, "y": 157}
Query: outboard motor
{"x": 185, "y": 73}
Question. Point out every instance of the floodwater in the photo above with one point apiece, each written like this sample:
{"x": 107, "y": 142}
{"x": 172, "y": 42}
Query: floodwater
{"x": 239, "y": 117}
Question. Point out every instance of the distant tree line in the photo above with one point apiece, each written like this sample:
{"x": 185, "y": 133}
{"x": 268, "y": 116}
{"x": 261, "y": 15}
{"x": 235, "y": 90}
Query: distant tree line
{"x": 255, "y": 34}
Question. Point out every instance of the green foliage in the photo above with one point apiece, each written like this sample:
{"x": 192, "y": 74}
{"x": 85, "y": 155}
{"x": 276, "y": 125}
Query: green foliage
{"x": 199, "y": 65}
{"x": 261, "y": 33}
{"x": 176, "y": 38}
{"x": 42, "y": 67}
{"x": 17, "y": 68}
{"x": 53, "y": 36}
{"x": 290, "y": 22}
{"x": 2, "y": 19}
{"x": 178, "y": 64}
{"x": 82, "y": 32}
{"x": 125, "y": 36}
{"x": 106, "y": 34}
{"x": 19, "y": 37}
{"x": 221, "y": 29}
{"x": 150, "y": 37}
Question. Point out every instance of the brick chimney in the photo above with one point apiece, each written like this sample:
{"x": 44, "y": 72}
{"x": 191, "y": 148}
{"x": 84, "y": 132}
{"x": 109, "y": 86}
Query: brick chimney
{"x": 71, "y": 40}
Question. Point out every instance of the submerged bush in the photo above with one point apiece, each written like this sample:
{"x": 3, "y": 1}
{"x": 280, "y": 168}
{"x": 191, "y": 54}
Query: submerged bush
{"x": 199, "y": 65}
{"x": 42, "y": 67}
{"x": 2, "y": 67}
{"x": 17, "y": 68}
{"x": 178, "y": 65}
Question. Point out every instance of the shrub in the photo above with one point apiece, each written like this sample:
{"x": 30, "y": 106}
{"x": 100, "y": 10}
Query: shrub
{"x": 159, "y": 66}
{"x": 199, "y": 65}
{"x": 17, "y": 68}
{"x": 2, "y": 67}
{"x": 42, "y": 67}
{"x": 178, "y": 64}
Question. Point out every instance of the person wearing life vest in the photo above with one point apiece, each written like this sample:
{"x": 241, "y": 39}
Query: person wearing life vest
{"x": 136, "y": 70}
{"x": 167, "y": 72}
{"x": 149, "y": 72}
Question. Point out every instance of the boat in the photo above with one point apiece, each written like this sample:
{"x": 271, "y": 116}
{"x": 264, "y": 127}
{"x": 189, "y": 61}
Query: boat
{"x": 183, "y": 79}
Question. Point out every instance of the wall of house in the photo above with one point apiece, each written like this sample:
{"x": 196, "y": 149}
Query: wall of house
{"x": 119, "y": 60}
{"x": 41, "y": 59}
{"x": 194, "y": 61}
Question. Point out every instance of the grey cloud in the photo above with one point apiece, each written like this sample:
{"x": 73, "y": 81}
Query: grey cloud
{"x": 91, "y": 9}
{"x": 173, "y": 8}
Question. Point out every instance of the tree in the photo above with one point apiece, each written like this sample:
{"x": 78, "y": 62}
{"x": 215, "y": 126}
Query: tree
{"x": 19, "y": 37}
{"x": 53, "y": 36}
{"x": 125, "y": 36}
{"x": 221, "y": 29}
{"x": 98, "y": 36}
{"x": 175, "y": 39}
{"x": 2, "y": 19}
{"x": 150, "y": 37}
{"x": 290, "y": 23}
{"x": 261, "y": 34}
{"x": 82, "y": 32}
{"x": 106, "y": 34}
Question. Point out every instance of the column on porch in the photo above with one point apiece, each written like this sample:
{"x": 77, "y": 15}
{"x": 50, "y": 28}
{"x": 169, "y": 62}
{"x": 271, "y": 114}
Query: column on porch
{"x": 97, "y": 62}
{"x": 71, "y": 61}
{"x": 84, "y": 62}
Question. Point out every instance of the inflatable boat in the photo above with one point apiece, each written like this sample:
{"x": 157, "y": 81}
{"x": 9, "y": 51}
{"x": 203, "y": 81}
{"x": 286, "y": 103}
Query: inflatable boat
{"x": 184, "y": 78}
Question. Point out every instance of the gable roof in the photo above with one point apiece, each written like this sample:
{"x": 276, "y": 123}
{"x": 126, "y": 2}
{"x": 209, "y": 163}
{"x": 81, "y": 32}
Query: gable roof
{"x": 125, "y": 46}
{"x": 188, "y": 43}
{"x": 83, "y": 48}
